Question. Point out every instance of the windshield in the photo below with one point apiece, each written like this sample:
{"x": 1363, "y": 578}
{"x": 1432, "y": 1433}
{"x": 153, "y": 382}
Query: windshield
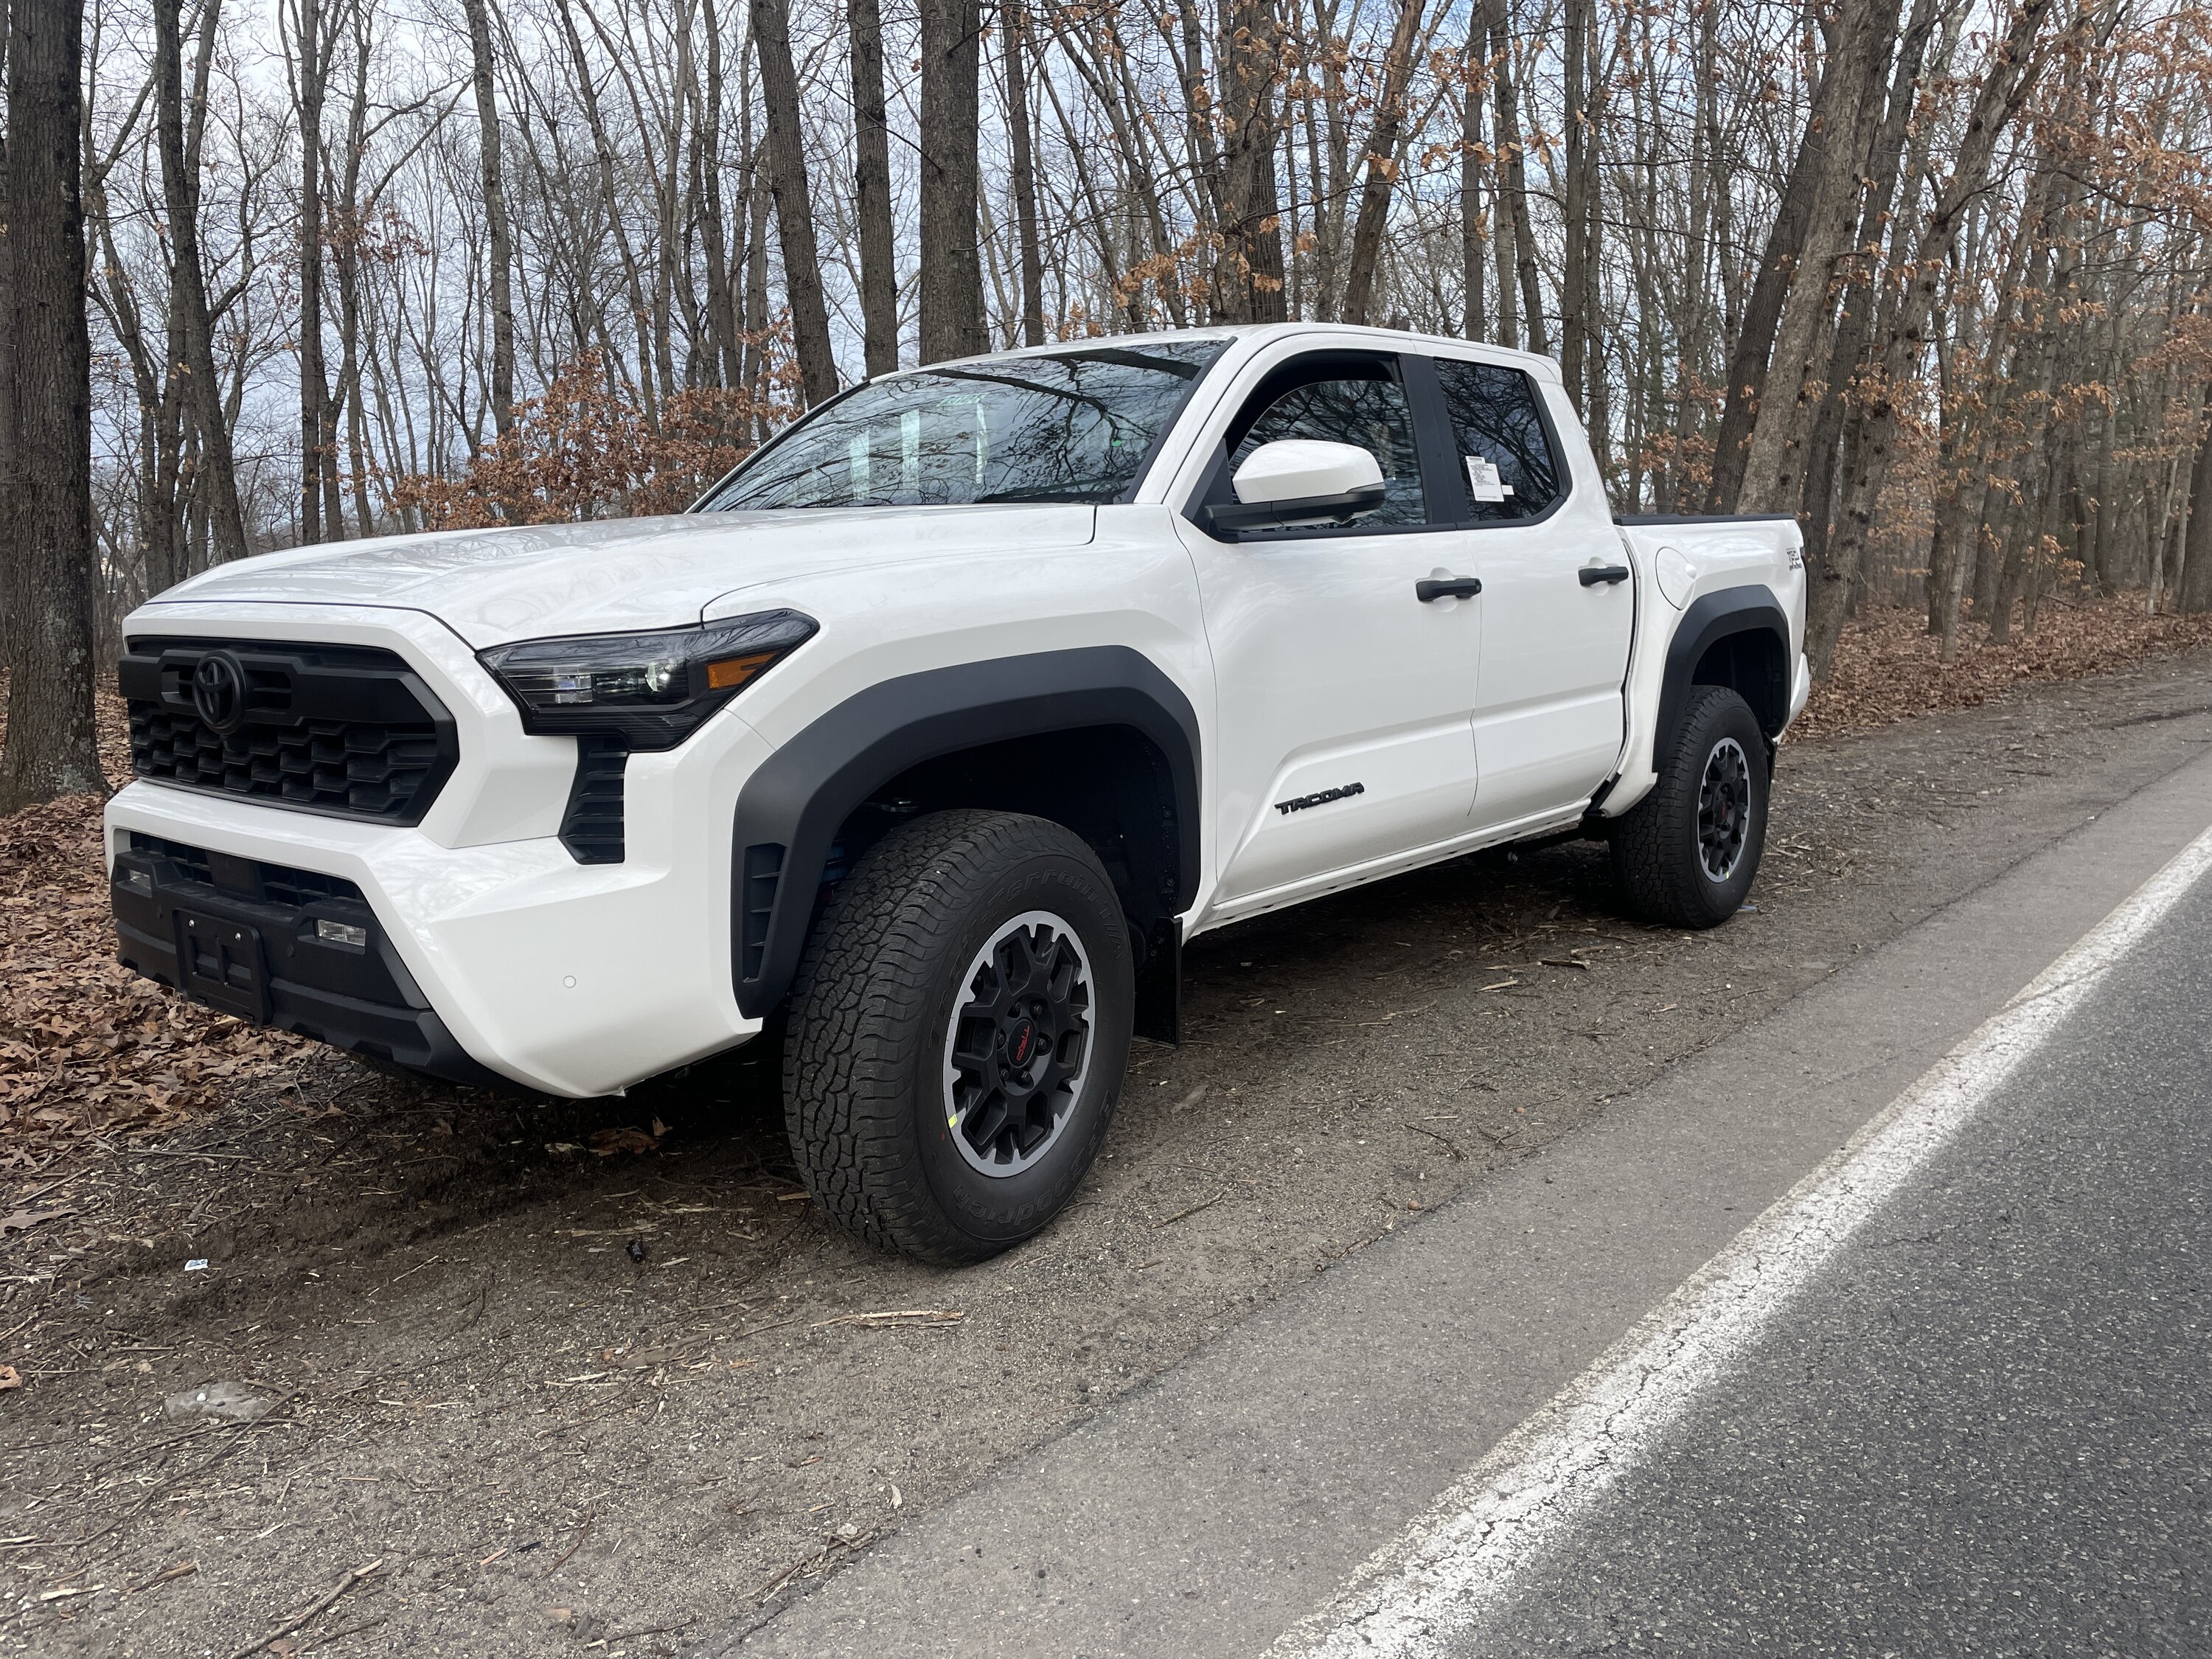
{"x": 1074, "y": 426}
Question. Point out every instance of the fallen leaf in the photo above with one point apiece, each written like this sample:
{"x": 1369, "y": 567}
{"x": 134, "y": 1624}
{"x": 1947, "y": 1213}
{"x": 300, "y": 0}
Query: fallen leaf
{"x": 23, "y": 1220}
{"x": 10, "y": 1378}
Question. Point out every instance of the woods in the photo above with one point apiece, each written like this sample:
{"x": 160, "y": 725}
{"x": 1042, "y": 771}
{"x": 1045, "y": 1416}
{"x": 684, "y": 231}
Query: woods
{"x": 1933, "y": 274}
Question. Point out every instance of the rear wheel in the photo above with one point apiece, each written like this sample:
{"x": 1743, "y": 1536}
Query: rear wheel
{"x": 959, "y": 1029}
{"x": 1686, "y": 854}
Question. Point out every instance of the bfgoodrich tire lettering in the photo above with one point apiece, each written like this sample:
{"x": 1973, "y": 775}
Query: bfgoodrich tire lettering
{"x": 1685, "y": 855}
{"x": 890, "y": 965}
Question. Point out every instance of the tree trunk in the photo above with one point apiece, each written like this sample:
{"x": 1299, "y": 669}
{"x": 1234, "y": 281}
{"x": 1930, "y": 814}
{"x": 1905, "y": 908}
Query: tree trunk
{"x": 346, "y": 257}
{"x": 314, "y": 390}
{"x": 49, "y": 573}
{"x": 1472, "y": 253}
{"x": 1797, "y": 382}
{"x": 1249, "y": 278}
{"x": 1022, "y": 138}
{"x": 722, "y": 325}
{"x": 217, "y": 480}
{"x": 1515, "y": 192}
{"x": 1504, "y": 173}
{"x": 1754, "y": 340}
{"x": 1381, "y": 153}
{"x": 952, "y": 267}
{"x": 1838, "y": 425}
{"x": 871, "y": 189}
{"x": 1575, "y": 314}
{"x": 794, "y": 209}
{"x": 2193, "y": 589}
{"x": 501, "y": 254}
{"x": 7, "y": 345}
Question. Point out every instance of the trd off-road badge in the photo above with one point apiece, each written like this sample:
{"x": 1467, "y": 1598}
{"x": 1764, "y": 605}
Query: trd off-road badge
{"x": 1287, "y": 807}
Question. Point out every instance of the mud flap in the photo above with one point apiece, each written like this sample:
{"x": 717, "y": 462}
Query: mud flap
{"x": 1159, "y": 983}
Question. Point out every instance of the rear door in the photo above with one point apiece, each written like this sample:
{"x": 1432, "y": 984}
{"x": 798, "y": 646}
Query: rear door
{"x": 1344, "y": 700}
{"x": 1549, "y": 709}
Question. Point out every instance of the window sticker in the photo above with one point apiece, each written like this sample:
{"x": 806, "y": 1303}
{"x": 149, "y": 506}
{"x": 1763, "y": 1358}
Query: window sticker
{"x": 1483, "y": 480}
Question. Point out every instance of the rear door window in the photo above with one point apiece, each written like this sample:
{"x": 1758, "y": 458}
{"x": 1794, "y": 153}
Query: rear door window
{"x": 1506, "y": 460}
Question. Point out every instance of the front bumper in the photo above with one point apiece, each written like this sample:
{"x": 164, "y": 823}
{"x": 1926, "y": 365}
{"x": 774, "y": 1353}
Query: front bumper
{"x": 277, "y": 947}
{"x": 577, "y": 980}
{"x": 573, "y": 979}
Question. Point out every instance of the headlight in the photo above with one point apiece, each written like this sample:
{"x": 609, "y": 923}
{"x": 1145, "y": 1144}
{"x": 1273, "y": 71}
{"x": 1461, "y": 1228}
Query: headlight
{"x": 652, "y": 690}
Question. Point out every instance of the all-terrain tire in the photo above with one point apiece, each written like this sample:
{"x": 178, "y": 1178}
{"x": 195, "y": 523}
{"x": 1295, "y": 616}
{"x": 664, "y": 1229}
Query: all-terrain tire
{"x": 1662, "y": 851}
{"x": 865, "y": 1065}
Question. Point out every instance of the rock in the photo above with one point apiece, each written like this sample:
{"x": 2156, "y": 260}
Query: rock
{"x": 229, "y": 1401}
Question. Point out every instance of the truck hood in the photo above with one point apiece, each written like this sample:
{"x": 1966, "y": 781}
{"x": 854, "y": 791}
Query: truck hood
{"x": 532, "y": 580}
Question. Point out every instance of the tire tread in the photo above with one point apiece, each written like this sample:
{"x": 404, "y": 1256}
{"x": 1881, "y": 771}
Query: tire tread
{"x": 858, "y": 1001}
{"x": 1651, "y": 859}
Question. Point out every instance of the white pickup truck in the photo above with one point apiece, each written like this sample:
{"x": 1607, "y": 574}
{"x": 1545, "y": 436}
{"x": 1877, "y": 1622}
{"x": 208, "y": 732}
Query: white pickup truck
{"x": 935, "y": 729}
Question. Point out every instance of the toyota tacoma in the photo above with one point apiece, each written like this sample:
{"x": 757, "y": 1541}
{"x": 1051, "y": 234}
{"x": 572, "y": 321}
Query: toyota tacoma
{"x": 936, "y": 730}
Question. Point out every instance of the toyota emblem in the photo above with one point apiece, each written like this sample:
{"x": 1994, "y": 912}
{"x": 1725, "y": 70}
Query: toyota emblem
{"x": 219, "y": 692}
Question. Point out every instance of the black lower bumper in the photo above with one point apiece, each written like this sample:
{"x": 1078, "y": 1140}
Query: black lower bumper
{"x": 277, "y": 946}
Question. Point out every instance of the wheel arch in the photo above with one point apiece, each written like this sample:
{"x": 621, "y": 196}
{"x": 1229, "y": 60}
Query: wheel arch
{"x": 1123, "y": 773}
{"x": 1738, "y": 637}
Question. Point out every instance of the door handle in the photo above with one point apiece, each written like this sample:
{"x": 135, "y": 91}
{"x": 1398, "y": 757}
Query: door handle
{"x": 1592, "y": 575}
{"x": 1429, "y": 589}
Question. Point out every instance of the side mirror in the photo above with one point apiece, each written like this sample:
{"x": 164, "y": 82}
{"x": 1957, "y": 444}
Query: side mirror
{"x": 1295, "y": 481}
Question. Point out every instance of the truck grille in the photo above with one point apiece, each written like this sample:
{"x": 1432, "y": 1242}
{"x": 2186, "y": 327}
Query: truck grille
{"x": 321, "y": 728}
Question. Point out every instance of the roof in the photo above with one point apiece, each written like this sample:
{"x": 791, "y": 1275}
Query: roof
{"x": 1382, "y": 339}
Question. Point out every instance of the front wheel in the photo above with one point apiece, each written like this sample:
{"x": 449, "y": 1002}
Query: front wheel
{"x": 1685, "y": 855}
{"x": 959, "y": 1029}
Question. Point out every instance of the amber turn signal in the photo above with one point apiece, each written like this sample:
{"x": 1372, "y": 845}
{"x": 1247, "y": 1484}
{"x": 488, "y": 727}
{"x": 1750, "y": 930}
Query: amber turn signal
{"x": 733, "y": 671}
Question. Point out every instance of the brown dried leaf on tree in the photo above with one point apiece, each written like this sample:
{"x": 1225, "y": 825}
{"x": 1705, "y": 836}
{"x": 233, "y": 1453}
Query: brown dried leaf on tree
{"x": 585, "y": 451}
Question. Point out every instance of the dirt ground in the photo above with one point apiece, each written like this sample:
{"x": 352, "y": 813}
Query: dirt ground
{"x": 532, "y": 1377}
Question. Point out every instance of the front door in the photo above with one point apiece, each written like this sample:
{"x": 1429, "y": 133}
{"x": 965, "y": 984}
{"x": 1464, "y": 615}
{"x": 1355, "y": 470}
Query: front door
{"x": 1549, "y": 710}
{"x": 1345, "y": 699}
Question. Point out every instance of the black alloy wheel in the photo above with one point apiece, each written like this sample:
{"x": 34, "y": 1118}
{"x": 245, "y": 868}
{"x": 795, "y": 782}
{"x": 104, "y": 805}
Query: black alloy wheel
{"x": 1019, "y": 1045}
{"x": 1723, "y": 810}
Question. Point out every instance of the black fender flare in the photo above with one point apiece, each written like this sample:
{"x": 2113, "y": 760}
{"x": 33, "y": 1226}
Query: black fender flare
{"x": 789, "y": 810}
{"x": 1711, "y": 617}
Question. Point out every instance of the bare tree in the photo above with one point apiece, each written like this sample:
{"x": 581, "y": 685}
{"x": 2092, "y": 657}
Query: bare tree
{"x": 51, "y": 747}
{"x": 500, "y": 250}
{"x": 180, "y": 145}
{"x": 1249, "y": 280}
{"x": 951, "y": 269}
{"x": 872, "y": 186}
{"x": 794, "y": 207}
{"x": 1383, "y": 163}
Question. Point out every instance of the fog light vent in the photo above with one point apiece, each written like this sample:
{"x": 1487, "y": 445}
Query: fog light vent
{"x": 339, "y": 932}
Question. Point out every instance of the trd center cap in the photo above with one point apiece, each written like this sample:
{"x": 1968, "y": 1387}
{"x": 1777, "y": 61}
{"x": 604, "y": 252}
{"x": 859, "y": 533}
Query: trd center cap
{"x": 1021, "y": 1043}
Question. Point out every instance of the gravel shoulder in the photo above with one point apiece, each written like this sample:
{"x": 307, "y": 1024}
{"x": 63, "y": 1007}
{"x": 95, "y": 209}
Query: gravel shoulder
{"x": 595, "y": 1372}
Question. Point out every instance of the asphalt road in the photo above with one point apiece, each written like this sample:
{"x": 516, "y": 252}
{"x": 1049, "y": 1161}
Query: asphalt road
{"x": 1977, "y": 1426}
{"x": 1985, "y": 1427}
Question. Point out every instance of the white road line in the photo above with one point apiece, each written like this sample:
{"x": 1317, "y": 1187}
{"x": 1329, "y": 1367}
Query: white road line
{"x": 1434, "y": 1582}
